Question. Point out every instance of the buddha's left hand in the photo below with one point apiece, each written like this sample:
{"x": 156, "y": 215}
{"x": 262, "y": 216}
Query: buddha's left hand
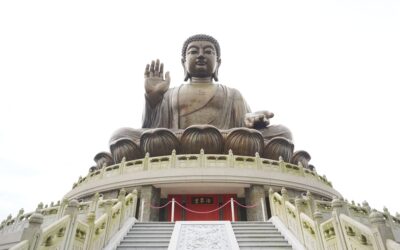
{"x": 257, "y": 120}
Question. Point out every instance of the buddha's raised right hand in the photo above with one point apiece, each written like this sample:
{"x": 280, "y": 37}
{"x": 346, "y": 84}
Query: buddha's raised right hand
{"x": 155, "y": 83}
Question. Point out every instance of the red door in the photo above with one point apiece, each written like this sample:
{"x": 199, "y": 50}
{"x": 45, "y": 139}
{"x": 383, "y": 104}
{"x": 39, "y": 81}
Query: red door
{"x": 202, "y": 207}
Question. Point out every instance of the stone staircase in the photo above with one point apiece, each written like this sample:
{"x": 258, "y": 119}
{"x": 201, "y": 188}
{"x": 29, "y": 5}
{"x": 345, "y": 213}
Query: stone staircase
{"x": 148, "y": 235}
{"x": 250, "y": 235}
{"x": 259, "y": 235}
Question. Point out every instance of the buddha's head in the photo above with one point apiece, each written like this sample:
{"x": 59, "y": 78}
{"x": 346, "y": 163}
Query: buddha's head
{"x": 201, "y": 57}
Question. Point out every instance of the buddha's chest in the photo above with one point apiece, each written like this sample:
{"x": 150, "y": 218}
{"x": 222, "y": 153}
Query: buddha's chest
{"x": 192, "y": 99}
{"x": 198, "y": 105}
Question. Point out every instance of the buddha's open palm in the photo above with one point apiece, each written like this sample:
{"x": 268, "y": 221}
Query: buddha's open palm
{"x": 155, "y": 83}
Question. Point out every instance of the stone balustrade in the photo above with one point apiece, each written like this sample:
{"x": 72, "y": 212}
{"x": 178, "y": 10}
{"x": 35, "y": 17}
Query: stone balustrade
{"x": 346, "y": 228}
{"x": 199, "y": 160}
{"x": 72, "y": 230}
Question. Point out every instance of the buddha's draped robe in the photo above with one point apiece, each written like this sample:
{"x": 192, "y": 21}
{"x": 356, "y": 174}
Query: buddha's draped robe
{"x": 225, "y": 109}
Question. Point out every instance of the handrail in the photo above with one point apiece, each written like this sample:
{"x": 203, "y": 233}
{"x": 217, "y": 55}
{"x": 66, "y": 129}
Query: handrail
{"x": 392, "y": 245}
{"x": 366, "y": 235}
{"x": 175, "y": 161}
{"x": 23, "y": 245}
{"x": 55, "y": 233}
{"x": 363, "y": 228}
{"x": 72, "y": 230}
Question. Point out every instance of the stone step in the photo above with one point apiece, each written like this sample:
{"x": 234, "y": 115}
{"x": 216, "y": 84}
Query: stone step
{"x": 154, "y": 224}
{"x": 259, "y": 235}
{"x": 262, "y": 244}
{"x": 146, "y": 229}
{"x": 147, "y": 235}
{"x": 147, "y": 248}
{"x": 269, "y": 240}
{"x": 245, "y": 235}
{"x": 159, "y": 222}
{"x": 254, "y": 228}
{"x": 256, "y": 232}
{"x": 154, "y": 234}
{"x": 144, "y": 234}
{"x": 144, "y": 246}
{"x": 252, "y": 224}
{"x": 266, "y": 248}
{"x": 146, "y": 240}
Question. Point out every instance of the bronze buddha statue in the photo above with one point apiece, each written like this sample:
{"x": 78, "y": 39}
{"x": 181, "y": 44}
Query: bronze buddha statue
{"x": 201, "y": 101}
{"x": 200, "y": 114}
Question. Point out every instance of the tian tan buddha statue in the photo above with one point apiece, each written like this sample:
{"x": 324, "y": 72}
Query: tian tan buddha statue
{"x": 199, "y": 115}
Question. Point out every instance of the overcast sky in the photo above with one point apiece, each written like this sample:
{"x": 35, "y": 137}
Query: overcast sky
{"x": 71, "y": 73}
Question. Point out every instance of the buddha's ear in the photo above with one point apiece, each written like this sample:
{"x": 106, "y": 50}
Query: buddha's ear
{"x": 215, "y": 75}
{"x": 185, "y": 72}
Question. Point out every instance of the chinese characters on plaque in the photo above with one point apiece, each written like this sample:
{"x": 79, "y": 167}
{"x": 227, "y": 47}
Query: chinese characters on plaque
{"x": 202, "y": 200}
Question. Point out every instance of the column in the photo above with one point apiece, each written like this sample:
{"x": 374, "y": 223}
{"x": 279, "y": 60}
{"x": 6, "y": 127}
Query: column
{"x": 151, "y": 196}
{"x": 253, "y": 196}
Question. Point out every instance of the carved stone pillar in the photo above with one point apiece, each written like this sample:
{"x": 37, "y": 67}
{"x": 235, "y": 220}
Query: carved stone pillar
{"x": 380, "y": 230}
{"x": 254, "y": 194}
{"x": 149, "y": 195}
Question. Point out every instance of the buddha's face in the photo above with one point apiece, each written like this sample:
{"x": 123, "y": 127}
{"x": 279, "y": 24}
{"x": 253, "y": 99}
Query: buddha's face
{"x": 201, "y": 59}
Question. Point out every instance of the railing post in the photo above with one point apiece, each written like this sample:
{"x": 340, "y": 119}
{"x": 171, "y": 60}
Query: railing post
{"x": 318, "y": 219}
{"x": 285, "y": 198}
{"x": 231, "y": 159}
{"x": 71, "y": 210}
{"x": 301, "y": 169}
{"x": 173, "y": 159}
{"x": 202, "y": 158}
{"x": 135, "y": 199}
{"x": 122, "y": 166}
{"x": 263, "y": 208}
{"x": 33, "y": 232}
{"x": 271, "y": 201}
{"x": 337, "y": 205}
{"x": 232, "y": 210}
{"x": 18, "y": 218}
{"x": 173, "y": 210}
{"x": 299, "y": 204}
{"x": 146, "y": 161}
{"x": 108, "y": 208}
{"x": 121, "y": 198}
{"x": 258, "y": 160}
{"x": 390, "y": 222}
{"x": 282, "y": 164}
{"x": 61, "y": 210}
{"x": 94, "y": 203}
{"x": 380, "y": 231}
{"x": 91, "y": 217}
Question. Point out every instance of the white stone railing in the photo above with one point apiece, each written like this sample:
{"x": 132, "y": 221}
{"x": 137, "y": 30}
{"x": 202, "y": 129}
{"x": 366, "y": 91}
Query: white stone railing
{"x": 292, "y": 216}
{"x": 199, "y": 160}
{"x": 358, "y": 236}
{"x": 392, "y": 245}
{"x": 23, "y": 245}
{"x": 72, "y": 231}
{"x": 329, "y": 237}
{"x": 343, "y": 230}
{"x": 99, "y": 236}
{"x": 55, "y": 235}
{"x": 310, "y": 232}
{"x": 81, "y": 233}
{"x": 51, "y": 213}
